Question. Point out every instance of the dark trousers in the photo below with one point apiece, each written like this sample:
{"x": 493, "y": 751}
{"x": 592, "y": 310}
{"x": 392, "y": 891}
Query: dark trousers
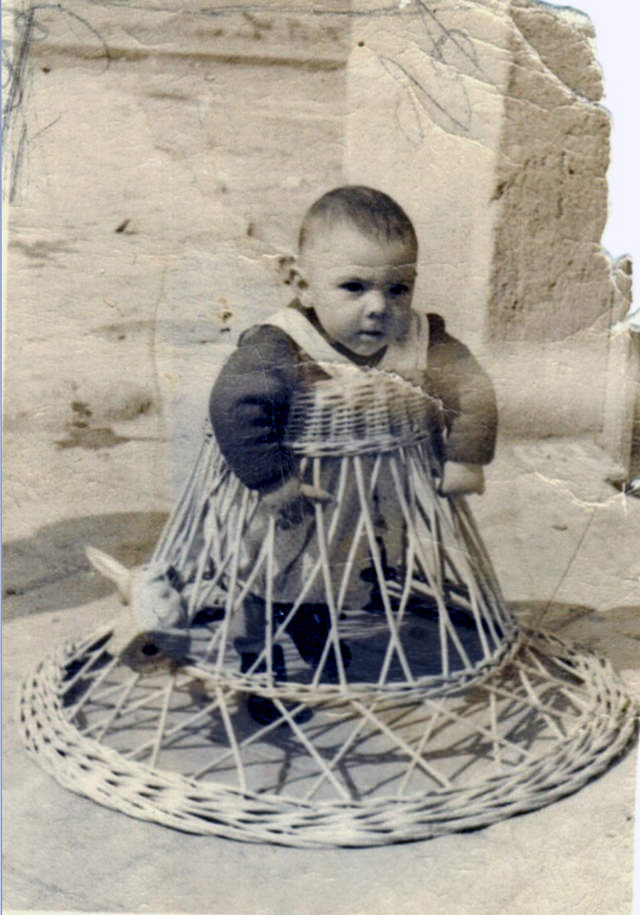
{"x": 308, "y": 629}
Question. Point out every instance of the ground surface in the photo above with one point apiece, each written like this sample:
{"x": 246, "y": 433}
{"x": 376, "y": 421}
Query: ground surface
{"x": 565, "y": 546}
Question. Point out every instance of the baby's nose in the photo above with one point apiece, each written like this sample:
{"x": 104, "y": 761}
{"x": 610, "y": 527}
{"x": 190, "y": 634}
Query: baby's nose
{"x": 375, "y": 302}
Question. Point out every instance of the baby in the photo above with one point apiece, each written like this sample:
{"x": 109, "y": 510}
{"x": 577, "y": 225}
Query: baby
{"x": 354, "y": 277}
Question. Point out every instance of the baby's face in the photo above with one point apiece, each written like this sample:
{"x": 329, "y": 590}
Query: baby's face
{"x": 359, "y": 287}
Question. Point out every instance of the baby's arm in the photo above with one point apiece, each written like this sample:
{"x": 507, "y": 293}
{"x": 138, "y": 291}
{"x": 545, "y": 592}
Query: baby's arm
{"x": 249, "y": 407}
{"x": 467, "y": 395}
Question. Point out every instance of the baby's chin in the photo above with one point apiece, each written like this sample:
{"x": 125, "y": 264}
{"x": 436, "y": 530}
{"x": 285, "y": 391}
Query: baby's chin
{"x": 368, "y": 344}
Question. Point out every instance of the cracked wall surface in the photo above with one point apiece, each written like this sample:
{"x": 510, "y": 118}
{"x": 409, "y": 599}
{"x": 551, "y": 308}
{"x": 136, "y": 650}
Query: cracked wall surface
{"x": 551, "y": 294}
{"x": 499, "y": 152}
{"x": 550, "y": 279}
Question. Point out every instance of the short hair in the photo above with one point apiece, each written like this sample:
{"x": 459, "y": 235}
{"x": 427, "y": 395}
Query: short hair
{"x": 373, "y": 212}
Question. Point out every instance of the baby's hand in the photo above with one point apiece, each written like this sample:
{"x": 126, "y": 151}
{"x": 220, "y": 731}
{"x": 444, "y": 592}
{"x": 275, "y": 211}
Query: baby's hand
{"x": 293, "y": 500}
{"x": 459, "y": 479}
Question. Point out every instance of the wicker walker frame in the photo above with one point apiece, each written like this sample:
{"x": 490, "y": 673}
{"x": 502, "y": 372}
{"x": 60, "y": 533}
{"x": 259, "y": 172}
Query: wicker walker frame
{"x": 421, "y": 712}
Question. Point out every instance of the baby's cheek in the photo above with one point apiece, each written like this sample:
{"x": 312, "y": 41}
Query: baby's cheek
{"x": 402, "y": 315}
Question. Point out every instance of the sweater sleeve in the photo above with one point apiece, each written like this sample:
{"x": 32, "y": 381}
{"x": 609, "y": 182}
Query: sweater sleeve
{"x": 467, "y": 395}
{"x": 249, "y": 407}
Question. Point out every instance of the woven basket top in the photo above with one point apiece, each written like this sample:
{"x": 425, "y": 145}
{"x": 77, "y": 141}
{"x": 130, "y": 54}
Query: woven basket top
{"x": 360, "y": 411}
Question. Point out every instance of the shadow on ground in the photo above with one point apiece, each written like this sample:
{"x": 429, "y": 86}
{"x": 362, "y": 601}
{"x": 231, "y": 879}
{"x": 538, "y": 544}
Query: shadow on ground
{"x": 614, "y": 634}
{"x": 50, "y": 571}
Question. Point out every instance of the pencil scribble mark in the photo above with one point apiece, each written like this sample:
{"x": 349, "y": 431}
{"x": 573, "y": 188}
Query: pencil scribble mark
{"x": 29, "y": 25}
{"x": 420, "y": 98}
{"x": 46, "y": 127}
{"x": 15, "y": 160}
{"x": 15, "y": 69}
{"x": 449, "y": 46}
{"x": 441, "y": 47}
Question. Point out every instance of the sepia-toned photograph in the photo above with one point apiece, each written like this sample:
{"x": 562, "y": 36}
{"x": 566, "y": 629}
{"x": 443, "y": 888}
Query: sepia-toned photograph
{"x": 321, "y": 430}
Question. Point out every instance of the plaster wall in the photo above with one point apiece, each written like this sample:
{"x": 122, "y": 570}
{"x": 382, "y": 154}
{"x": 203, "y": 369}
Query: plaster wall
{"x": 158, "y": 161}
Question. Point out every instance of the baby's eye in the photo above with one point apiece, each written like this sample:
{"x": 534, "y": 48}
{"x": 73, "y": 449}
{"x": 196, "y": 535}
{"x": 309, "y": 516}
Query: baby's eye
{"x": 355, "y": 286}
{"x": 398, "y": 289}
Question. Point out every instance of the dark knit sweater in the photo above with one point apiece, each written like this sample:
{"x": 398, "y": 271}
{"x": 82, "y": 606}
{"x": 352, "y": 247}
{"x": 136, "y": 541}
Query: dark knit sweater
{"x": 250, "y": 400}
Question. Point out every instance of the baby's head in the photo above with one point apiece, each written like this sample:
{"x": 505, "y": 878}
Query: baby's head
{"x": 356, "y": 267}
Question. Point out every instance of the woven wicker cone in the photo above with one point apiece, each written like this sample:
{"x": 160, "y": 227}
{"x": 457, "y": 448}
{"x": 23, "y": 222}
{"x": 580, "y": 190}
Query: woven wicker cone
{"x": 488, "y": 723}
{"x": 359, "y": 436}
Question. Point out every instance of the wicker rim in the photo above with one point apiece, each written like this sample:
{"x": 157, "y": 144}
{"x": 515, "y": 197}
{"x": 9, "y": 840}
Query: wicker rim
{"x": 436, "y": 685}
{"x": 89, "y": 768}
{"x": 360, "y": 411}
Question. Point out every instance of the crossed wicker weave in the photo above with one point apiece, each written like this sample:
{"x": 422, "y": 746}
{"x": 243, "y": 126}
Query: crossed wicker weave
{"x": 418, "y": 710}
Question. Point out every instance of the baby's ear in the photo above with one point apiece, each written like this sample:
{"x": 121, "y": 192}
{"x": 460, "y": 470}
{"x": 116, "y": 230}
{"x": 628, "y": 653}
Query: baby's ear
{"x": 287, "y": 269}
{"x": 291, "y": 275}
